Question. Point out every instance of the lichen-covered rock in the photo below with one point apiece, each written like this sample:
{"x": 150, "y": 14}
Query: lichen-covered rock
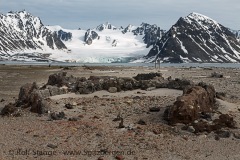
{"x": 191, "y": 104}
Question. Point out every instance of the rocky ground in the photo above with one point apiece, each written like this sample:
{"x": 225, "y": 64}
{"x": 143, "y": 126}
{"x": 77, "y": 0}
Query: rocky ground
{"x": 122, "y": 125}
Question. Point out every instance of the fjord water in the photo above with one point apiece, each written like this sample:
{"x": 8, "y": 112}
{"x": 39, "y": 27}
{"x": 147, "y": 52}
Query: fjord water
{"x": 177, "y": 65}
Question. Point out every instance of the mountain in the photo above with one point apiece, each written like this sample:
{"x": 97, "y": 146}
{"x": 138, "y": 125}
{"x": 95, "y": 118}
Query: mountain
{"x": 197, "y": 38}
{"x": 20, "y": 33}
{"x": 107, "y": 43}
{"x": 23, "y": 37}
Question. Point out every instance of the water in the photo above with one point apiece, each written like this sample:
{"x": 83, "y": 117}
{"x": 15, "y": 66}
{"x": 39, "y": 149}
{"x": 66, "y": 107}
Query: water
{"x": 177, "y": 65}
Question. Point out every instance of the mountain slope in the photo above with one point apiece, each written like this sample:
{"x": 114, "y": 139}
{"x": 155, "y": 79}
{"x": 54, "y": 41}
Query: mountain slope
{"x": 197, "y": 38}
{"x": 21, "y": 32}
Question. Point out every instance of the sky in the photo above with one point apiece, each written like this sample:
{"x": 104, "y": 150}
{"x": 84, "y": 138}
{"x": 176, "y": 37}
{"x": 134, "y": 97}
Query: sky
{"x": 74, "y": 14}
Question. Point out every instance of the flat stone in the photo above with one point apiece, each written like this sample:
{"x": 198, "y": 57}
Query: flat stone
{"x": 154, "y": 109}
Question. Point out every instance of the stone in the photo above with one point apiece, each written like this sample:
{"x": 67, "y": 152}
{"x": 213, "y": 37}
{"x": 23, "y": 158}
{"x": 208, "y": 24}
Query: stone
{"x": 121, "y": 124}
{"x": 145, "y": 84}
{"x": 8, "y": 109}
{"x": 216, "y": 75}
{"x": 100, "y": 158}
{"x": 85, "y": 87}
{"x": 191, "y": 129}
{"x": 147, "y": 76}
{"x": 180, "y": 84}
{"x": 225, "y": 121}
{"x": 36, "y": 103}
{"x": 112, "y": 89}
{"x": 54, "y": 90}
{"x": 150, "y": 88}
{"x": 25, "y": 92}
{"x": 57, "y": 116}
{"x": 154, "y": 109}
{"x": 69, "y": 106}
{"x": 221, "y": 95}
{"x": 223, "y": 134}
{"x": 58, "y": 79}
{"x": 73, "y": 119}
{"x": 236, "y": 135}
{"x": 187, "y": 108}
{"x": 52, "y": 146}
{"x": 141, "y": 122}
{"x": 45, "y": 93}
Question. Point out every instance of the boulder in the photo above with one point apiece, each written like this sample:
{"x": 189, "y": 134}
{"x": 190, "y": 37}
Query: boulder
{"x": 25, "y": 92}
{"x": 145, "y": 84}
{"x": 53, "y": 90}
{"x": 37, "y": 103}
{"x": 189, "y": 107}
{"x": 180, "y": 84}
{"x": 147, "y": 76}
{"x": 216, "y": 75}
{"x": 60, "y": 79}
{"x": 8, "y": 109}
{"x": 110, "y": 82}
{"x": 112, "y": 89}
{"x": 85, "y": 87}
{"x": 223, "y": 121}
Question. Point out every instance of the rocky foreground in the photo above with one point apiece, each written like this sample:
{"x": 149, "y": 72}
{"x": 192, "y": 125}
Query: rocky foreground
{"x": 124, "y": 113}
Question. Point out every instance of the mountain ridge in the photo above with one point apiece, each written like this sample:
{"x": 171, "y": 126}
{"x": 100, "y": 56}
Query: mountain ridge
{"x": 194, "y": 38}
{"x": 197, "y": 38}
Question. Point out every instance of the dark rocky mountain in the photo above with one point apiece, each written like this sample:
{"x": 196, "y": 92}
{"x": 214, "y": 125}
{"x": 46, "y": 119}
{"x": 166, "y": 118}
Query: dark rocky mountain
{"x": 64, "y": 36}
{"x": 151, "y": 33}
{"x": 20, "y": 31}
{"x": 107, "y": 25}
{"x": 90, "y": 35}
{"x": 197, "y": 38}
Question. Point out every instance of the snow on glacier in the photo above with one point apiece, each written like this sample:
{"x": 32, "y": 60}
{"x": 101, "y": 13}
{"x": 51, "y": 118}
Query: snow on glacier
{"x": 101, "y": 50}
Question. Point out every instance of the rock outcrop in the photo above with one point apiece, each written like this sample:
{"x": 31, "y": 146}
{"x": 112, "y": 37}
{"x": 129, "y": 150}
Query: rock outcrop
{"x": 90, "y": 35}
{"x": 189, "y": 107}
{"x": 64, "y": 36}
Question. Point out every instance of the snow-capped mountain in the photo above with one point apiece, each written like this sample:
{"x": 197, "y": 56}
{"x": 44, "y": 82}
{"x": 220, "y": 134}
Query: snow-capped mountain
{"x": 20, "y": 32}
{"x": 24, "y": 37}
{"x": 197, "y": 38}
{"x": 107, "y": 43}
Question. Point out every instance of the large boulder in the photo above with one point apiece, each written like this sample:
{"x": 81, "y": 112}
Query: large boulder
{"x": 61, "y": 79}
{"x": 37, "y": 103}
{"x": 188, "y": 107}
{"x": 25, "y": 92}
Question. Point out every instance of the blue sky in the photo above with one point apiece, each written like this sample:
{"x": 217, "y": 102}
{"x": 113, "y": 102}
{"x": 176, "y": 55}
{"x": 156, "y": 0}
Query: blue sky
{"x": 86, "y": 14}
